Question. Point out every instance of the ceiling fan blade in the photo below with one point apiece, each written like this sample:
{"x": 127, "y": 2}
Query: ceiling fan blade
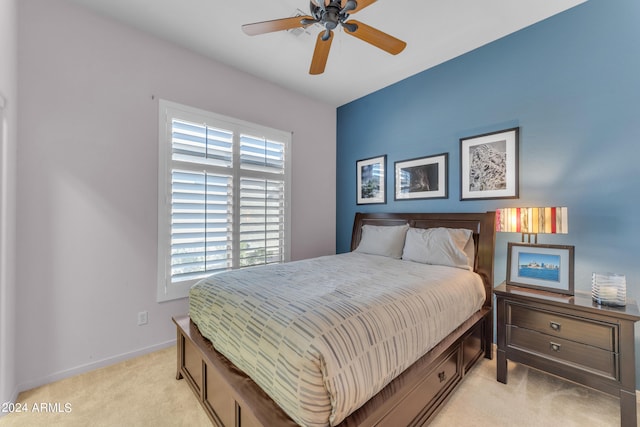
{"x": 376, "y": 37}
{"x": 275, "y": 25}
{"x": 321, "y": 53}
{"x": 361, "y": 4}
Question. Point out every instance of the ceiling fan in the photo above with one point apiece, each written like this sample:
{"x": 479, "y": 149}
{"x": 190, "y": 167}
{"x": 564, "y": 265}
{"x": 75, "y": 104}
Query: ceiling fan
{"x": 330, "y": 14}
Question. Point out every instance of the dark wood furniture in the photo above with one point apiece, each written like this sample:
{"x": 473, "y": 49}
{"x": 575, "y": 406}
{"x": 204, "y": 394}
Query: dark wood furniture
{"x": 230, "y": 398}
{"x": 572, "y": 337}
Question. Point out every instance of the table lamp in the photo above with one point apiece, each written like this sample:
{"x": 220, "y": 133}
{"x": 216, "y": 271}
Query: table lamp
{"x": 533, "y": 221}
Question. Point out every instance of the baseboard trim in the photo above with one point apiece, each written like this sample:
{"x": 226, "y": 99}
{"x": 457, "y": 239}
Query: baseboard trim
{"x": 91, "y": 366}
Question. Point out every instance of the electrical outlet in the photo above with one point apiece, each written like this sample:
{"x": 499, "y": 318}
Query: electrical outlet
{"x": 143, "y": 318}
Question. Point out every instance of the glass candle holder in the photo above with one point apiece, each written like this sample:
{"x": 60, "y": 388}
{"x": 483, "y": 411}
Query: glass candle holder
{"x": 609, "y": 289}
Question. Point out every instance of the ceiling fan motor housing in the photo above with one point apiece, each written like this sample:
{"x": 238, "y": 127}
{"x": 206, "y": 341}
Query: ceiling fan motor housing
{"x": 332, "y": 14}
{"x": 330, "y": 19}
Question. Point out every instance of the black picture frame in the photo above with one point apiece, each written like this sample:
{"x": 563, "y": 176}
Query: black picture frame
{"x": 489, "y": 165}
{"x": 422, "y": 178}
{"x": 543, "y": 267}
{"x": 371, "y": 180}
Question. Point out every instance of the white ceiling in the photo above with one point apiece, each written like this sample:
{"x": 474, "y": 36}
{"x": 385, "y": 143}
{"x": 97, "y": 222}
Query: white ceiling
{"x": 435, "y": 31}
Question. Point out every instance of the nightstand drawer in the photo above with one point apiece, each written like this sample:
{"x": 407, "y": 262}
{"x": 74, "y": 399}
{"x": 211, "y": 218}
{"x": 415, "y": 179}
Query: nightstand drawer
{"x": 582, "y": 356}
{"x": 576, "y": 329}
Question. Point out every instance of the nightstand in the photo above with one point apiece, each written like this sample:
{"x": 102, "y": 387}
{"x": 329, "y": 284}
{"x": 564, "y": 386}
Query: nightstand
{"x": 571, "y": 337}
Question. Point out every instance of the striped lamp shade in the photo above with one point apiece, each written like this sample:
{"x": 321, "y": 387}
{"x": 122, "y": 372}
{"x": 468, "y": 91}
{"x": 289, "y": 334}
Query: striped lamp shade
{"x": 553, "y": 220}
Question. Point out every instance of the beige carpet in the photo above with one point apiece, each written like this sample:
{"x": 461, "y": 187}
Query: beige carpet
{"x": 144, "y": 392}
{"x": 139, "y": 392}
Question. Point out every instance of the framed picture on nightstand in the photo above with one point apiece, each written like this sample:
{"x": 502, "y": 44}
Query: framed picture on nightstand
{"x": 545, "y": 267}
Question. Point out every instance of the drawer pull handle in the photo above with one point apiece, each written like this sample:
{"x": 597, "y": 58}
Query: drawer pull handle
{"x": 555, "y": 347}
{"x": 555, "y": 326}
{"x": 442, "y": 376}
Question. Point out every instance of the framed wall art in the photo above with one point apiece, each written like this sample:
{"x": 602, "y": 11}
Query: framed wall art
{"x": 489, "y": 165}
{"x": 422, "y": 178}
{"x": 545, "y": 267}
{"x": 370, "y": 180}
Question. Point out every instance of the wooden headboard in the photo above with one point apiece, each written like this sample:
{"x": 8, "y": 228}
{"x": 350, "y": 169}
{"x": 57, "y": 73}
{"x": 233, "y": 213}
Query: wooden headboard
{"x": 482, "y": 225}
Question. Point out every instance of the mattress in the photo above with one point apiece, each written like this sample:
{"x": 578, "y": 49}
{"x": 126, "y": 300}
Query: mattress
{"x": 322, "y": 336}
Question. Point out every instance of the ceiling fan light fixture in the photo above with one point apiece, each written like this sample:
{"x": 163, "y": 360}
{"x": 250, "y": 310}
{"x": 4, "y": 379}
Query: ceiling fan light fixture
{"x": 351, "y": 5}
{"x": 350, "y": 26}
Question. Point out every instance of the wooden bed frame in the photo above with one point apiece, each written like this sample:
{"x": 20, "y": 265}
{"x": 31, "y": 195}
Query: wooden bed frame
{"x": 231, "y": 399}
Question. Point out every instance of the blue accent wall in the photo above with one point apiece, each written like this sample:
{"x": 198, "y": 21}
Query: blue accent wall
{"x": 572, "y": 85}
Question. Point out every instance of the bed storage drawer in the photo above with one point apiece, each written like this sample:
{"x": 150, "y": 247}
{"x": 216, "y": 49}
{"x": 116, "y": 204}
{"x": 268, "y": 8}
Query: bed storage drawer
{"x": 435, "y": 387}
{"x": 446, "y": 373}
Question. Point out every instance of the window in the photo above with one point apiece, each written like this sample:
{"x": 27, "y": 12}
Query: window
{"x": 223, "y": 196}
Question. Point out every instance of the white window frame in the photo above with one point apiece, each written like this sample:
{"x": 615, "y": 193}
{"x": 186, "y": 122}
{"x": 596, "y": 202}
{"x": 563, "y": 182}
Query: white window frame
{"x": 166, "y": 290}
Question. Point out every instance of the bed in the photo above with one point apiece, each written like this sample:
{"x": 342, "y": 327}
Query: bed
{"x": 232, "y": 398}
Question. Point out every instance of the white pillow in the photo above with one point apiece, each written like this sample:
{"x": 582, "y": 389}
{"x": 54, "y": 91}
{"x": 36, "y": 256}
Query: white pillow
{"x": 470, "y": 250}
{"x": 441, "y": 246}
{"x": 382, "y": 240}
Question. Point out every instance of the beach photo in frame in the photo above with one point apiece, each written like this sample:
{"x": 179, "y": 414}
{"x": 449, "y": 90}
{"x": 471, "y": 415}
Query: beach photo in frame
{"x": 370, "y": 180}
{"x": 544, "y": 267}
{"x": 422, "y": 178}
{"x": 489, "y": 165}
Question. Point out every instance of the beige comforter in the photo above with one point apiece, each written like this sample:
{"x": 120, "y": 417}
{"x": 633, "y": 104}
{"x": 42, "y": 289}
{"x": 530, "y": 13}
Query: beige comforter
{"x": 322, "y": 336}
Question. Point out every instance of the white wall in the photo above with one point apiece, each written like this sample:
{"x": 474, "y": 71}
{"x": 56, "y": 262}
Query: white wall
{"x": 8, "y": 143}
{"x": 87, "y": 171}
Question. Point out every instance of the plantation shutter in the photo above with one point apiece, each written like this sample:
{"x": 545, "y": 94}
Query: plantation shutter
{"x": 262, "y": 201}
{"x": 225, "y": 199}
{"x": 201, "y": 228}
